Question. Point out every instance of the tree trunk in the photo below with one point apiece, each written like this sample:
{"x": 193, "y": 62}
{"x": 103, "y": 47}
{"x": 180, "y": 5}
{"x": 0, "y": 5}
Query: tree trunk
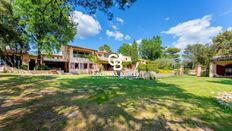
{"x": 39, "y": 53}
{"x": 39, "y": 59}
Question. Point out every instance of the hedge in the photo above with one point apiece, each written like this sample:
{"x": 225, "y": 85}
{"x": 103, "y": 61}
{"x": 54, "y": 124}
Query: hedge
{"x": 148, "y": 67}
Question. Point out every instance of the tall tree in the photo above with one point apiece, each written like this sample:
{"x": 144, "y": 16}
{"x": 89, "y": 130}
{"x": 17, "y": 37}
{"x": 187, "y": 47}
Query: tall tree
{"x": 151, "y": 49}
{"x": 222, "y": 44}
{"x": 125, "y": 49}
{"x": 12, "y": 37}
{"x": 105, "y": 48}
{"x": 173, "y": 53}
{"x": 197, "y": 54}
{"x": 130, "y": 50}
{"x": 46, "y": 23}
{"x": 134, "y": 52}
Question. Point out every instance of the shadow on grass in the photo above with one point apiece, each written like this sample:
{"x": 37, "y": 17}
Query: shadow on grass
{"x": 16, "y": 84}
{"x": 226, "y": 82}
{"x": 107, "y": 104}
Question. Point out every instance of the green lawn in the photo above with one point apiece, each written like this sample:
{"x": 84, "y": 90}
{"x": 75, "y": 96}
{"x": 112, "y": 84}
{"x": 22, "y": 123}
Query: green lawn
{"x": 83, "y": 103}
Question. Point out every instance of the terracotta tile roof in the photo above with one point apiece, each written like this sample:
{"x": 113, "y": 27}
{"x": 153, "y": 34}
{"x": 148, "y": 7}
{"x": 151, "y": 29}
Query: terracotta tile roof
{"x": 81, "y": 47}
{"x": 222, "y": 58}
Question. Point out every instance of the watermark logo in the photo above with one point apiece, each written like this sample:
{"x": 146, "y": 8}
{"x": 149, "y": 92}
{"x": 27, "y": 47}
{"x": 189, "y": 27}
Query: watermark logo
{"x": 115, "y": 61}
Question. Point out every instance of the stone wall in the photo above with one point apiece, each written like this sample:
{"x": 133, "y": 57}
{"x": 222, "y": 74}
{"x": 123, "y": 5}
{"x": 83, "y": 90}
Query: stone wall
{"x": 8, "y": 69}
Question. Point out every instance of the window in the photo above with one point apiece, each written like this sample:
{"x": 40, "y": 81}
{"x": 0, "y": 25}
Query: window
{"x": 2, "y": 61}
{"x": 80, "y": 54}
{"x": 77, "y": 66}
{"x": 106, "y": 55}
{"x": 91, "y": 66}
{"x": 81, "y": 66}
{"x": 72, "y": 65}
{"x": 85, "y": 66}
{"x": 75, "y": 54}
{"x": 228, "y": 70}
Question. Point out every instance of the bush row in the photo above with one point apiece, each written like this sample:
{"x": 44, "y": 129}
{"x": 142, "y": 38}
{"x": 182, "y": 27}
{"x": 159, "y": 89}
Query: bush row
{"x": 148, "y": 67}
{"x": 42, "y": 67}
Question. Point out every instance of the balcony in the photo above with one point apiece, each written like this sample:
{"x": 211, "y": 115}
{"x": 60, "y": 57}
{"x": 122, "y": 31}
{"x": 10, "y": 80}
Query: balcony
{"x": 54, "y": 59}
{"x": 103, "y": 58}
{"x": 80, "y": 58}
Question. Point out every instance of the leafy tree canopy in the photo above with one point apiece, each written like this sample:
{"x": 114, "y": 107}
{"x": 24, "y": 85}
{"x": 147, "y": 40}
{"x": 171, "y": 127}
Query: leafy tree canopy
{"x": 46, "y": 23}
{"x": 151, "y": 48}
{"x": 222, "y": 44}
{"x": 197, "y": 54}
{"x": 173, "y": 53}
{"x": 134, "y": 52}
{"x": 105, "y": 48}
{"x": 92, "y": 6}
{"x": 12, "y": 37}
{"x": 130, "y": 50}
{"x": 125, "y": 49}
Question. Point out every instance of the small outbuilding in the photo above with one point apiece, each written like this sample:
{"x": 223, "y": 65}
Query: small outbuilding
{"x": 221, "y": 66}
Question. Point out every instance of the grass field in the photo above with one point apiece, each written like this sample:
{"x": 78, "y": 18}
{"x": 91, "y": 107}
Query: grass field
{"x": 84, "y": 103}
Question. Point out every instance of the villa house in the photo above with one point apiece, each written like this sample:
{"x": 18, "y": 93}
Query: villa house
{"x": 103, "y": 60}
{"x": 76, "y": 60}
{"x": 73, "y": 59}
{"x": 221, "y": 66}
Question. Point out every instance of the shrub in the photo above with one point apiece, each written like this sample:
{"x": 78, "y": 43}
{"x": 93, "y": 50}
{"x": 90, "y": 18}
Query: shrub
{"x": 24, "y": 67}
{"x": 164, "y": 71}
{"x": 126, "y": 63}
{"x": 148, "y": 67}
{"x": 187, "y": 71}
{"x": 41, "y": 67}
{"x": 205, "y": 73}
{"x": 164, "y": 63}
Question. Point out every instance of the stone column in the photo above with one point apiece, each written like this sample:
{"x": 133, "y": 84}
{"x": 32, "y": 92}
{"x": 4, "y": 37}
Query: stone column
{"x": 212, "y": 69}
{"x": 88, "y": 70}
{"x": 181, "y": 70}
{"x": 70, "y": 53}
{"x": 199, "y": 70}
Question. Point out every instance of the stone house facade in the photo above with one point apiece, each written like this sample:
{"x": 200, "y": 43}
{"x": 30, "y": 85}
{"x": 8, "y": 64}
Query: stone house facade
{"x": 73, "y": 59}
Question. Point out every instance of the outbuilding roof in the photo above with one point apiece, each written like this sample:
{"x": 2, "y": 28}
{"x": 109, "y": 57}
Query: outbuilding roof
{"x": 222, "y": 58}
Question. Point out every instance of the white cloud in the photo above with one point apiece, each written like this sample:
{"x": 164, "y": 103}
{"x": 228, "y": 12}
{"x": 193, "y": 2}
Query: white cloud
{"x": 117, "y": 35}
{"x": 87, "y": 25}
{"x": 193, "y": 31}
{"x": 119, "y": 20}
{"x": 139, "y": 41}
{"x": 114, "y": 27}
{"x": 127, "y": 37}
{"x": 167, "y": 18}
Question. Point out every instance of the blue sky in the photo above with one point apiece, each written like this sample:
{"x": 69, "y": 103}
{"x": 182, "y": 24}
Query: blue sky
{"x": 178, "y": 22}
